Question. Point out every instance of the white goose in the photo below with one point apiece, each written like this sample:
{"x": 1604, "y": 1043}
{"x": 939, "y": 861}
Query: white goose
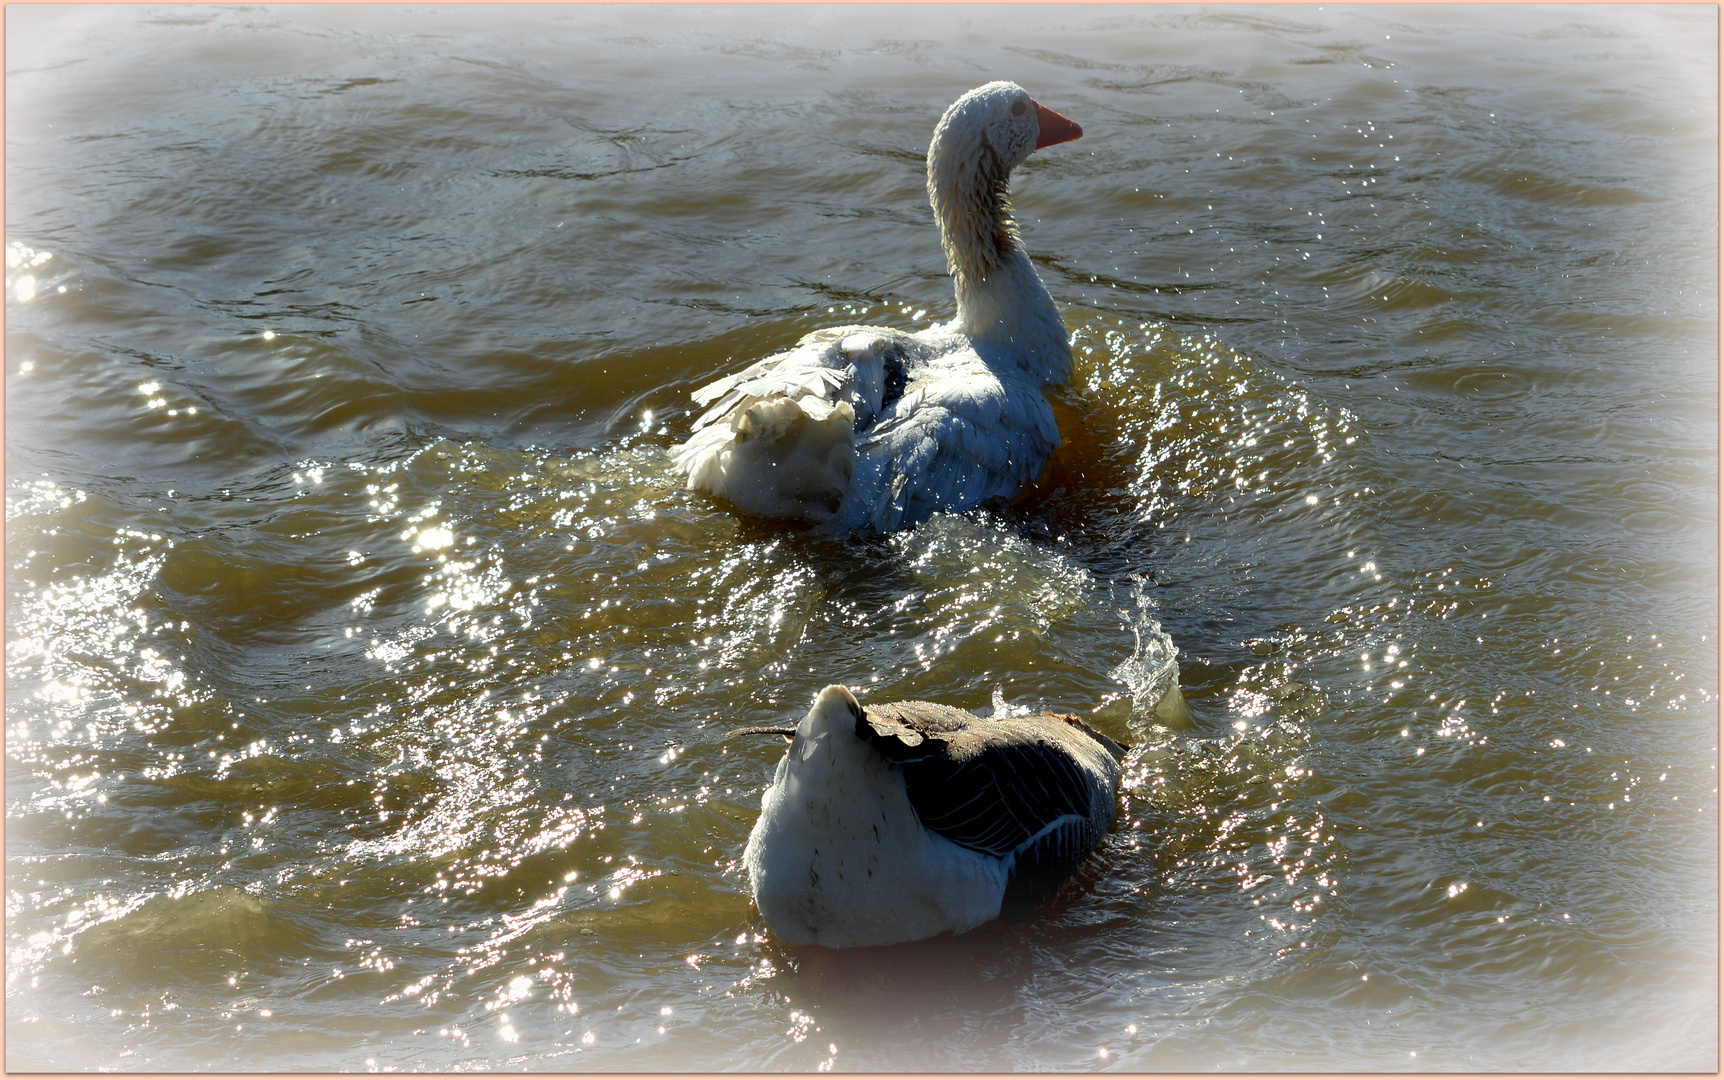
{"x": 866, "y": 428}
{"x": 899, "y": 822}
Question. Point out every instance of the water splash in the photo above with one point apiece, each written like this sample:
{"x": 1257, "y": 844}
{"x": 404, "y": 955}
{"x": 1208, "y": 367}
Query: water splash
{"x": 1151, "y": 673}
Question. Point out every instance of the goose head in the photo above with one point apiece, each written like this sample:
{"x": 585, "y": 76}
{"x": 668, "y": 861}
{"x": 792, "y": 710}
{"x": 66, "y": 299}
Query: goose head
{"x": 990, "y": 131}
{"x": 982, "y": 137}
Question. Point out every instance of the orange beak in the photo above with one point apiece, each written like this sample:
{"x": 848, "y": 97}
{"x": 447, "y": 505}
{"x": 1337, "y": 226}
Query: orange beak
{"x": 1054, "y": 127}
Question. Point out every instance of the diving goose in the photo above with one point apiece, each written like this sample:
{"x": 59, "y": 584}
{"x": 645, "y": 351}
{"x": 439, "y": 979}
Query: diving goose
{"x": 872, "y": 429}
{"x": 899, "y": 822}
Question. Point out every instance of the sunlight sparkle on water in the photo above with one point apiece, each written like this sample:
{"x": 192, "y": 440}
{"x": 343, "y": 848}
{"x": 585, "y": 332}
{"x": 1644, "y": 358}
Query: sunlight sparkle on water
{"x": 433, "y": 538}
{"x": 18, "y": 256}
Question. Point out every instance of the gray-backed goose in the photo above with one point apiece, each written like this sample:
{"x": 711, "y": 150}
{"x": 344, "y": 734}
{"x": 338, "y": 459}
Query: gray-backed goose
{"x": 867, "y": 428}
{"x": 898, "y": 822}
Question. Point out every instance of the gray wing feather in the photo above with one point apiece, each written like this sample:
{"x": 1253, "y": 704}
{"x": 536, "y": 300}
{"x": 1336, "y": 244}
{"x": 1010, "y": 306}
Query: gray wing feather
{"x": 1036, "y": 790}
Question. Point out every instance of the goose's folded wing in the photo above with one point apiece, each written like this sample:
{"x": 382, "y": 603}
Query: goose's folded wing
{"x": 957, "y": 438}
{"x": 1030, "y": 800}
{"x": 1002, "y": 798}
{"x": 1038, "y": 791}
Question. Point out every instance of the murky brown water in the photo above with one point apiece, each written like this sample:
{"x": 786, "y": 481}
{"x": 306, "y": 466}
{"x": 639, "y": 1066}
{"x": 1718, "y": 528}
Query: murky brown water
{"x": 366, "y": 665}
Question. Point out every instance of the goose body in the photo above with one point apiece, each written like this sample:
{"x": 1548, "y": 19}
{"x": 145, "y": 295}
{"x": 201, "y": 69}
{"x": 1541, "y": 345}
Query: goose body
{"x": 902, "y": 821}
{"x": 866, "y": 428}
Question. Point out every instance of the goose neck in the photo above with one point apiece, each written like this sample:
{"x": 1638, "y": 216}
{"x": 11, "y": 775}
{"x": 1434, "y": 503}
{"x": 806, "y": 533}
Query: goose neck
{"x": 1001, "y": 299}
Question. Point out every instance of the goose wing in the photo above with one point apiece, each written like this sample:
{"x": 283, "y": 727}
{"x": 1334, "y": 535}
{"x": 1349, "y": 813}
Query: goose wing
{"x": 861, "y": 366}
{"x": 962, "y": 434}
{"x": 1037, "y": 790}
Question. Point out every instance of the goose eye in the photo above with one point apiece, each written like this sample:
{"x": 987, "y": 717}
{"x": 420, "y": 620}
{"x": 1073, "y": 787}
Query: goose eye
{"x": 1018, "y": 107}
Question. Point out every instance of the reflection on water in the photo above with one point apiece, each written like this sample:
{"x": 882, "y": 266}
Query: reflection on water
{"x": 367, "y": 666}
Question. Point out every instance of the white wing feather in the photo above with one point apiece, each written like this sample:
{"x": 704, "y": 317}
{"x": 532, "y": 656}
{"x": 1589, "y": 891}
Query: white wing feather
{"x": 844, "y": 364}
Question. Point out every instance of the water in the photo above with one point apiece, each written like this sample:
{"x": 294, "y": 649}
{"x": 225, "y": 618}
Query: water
{"x": 367, "y": 667}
